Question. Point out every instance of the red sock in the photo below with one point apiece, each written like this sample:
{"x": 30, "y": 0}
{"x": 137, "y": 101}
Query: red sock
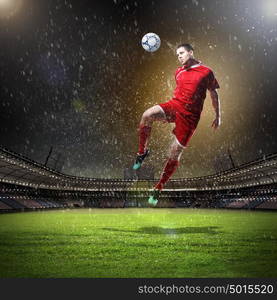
{"x": 144, "y": 133}
{"x": 169, "y": 169}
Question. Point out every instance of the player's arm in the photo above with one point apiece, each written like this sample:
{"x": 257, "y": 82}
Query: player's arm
{"x": 216, "y": 106}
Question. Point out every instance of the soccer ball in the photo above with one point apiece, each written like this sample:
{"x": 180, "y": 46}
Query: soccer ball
{"x": 151, "y": 42}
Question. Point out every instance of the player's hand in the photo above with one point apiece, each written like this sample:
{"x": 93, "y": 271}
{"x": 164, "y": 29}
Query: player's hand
{"x": 216, "y": 123}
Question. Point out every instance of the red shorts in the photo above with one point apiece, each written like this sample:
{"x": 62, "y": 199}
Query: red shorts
{"x": 185, "y": 121}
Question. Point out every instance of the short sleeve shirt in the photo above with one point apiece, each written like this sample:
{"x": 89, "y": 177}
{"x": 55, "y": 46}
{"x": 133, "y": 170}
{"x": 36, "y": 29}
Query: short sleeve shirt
{"x": 192, "y": 85}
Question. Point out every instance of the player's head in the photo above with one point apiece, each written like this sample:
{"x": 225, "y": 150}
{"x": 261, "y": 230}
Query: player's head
{"x": 184, "y": 53}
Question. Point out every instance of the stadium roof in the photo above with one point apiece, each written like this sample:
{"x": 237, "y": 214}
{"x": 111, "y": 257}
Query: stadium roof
{"x": 19, "y": 170}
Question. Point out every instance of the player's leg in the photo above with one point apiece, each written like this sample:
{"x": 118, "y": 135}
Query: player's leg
{"x": 154, "y": 113}
{"x": 171, "y": 165}
{"x": 183, "y": 132}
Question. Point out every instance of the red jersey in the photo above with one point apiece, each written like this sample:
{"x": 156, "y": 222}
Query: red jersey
{"x": 184, "y": 109}
{"x": 192, "y": 84}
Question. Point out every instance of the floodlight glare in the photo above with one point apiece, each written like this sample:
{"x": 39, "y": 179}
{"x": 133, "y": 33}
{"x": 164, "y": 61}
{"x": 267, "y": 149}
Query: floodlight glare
{"x": 270, "y": 7}
{"x": 9, "y": 8}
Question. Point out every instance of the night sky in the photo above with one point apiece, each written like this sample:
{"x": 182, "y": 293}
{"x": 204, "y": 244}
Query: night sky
{"x": 73, "y": 76}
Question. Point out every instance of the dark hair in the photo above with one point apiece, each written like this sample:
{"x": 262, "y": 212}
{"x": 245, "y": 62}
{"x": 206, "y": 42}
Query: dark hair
{"x": 188, "y": 47}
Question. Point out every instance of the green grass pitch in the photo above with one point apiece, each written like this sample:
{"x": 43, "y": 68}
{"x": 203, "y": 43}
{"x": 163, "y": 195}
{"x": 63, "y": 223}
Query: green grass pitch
{"x": 138, "y": 243}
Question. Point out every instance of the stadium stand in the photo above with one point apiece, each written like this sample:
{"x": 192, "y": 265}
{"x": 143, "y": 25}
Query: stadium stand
{"x": 28, "y": 185}
{"x": 12, "y": 203}
{"x": 271, "y": 203}
{"x": 27, "y": 202}
{"x": 44, "y": 204}
{"x": 4, "y": 207}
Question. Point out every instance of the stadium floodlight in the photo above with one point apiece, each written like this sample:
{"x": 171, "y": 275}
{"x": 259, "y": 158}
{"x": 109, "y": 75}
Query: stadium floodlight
{"x": 4, "y": 3}
{"x": 270, "y": 7}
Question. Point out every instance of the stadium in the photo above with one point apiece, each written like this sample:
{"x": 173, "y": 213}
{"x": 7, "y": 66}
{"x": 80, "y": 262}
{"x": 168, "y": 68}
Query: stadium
{"x": 27, "y": 185}
{"x": 222, "y": 225}
{"x": 76, "y": 78}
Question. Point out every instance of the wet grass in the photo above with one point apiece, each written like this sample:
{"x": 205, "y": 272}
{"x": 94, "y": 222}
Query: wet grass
{"x": 138, "y": 243}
